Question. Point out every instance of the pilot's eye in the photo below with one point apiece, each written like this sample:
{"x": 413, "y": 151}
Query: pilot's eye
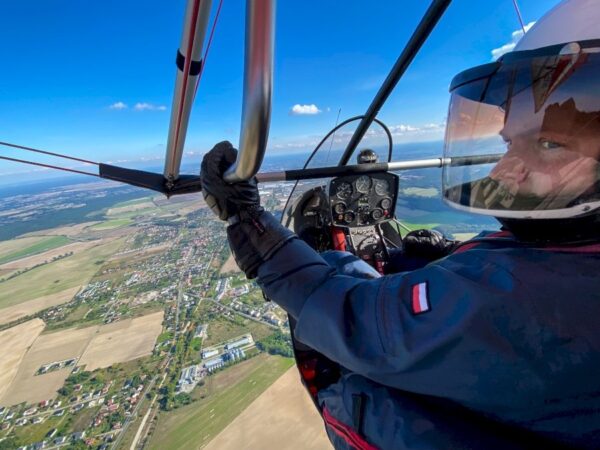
{"x": 547, "y": 144}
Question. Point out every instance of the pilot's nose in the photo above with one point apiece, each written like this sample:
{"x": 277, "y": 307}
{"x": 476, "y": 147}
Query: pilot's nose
{"x": 510, "y": 167}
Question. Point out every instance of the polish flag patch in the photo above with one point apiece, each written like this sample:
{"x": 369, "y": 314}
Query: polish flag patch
{"x": 420, "y": 301}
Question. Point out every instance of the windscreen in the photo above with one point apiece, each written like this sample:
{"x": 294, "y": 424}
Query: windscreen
{"x": 538, "y": 120}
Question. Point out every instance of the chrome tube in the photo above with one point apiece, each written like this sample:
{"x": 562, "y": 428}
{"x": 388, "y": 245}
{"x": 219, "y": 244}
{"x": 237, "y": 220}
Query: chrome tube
{"x": 395, "y": 166}
{"x": 189, "y": 64}
{"x": 258, "y": 82}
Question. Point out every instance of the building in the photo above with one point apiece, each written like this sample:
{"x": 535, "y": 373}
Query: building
{"x": 213, "y": 364}
{"x": 209, "y": 353}
{"x": 201, "y": 331}
{"x": 240, "y": 342}
{"x": 189, "y": 378}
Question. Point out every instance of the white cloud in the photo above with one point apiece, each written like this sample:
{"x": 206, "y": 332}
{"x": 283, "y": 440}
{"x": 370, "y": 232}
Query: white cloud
{"x": 149, "y": 107}
{"x": 509, "y": 46}
{"x": 300, "y": 110}
{"x": 118, "y": 105}
{"x": 402, "y": 133}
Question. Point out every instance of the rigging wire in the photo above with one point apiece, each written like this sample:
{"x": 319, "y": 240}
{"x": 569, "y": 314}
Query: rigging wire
{"x": 44, "y": 152}
{"x": 519, "y": 15}
{"x": 49, "y": 166}
{"x": 210, "y": 38}
{"x": 337, "y": 119}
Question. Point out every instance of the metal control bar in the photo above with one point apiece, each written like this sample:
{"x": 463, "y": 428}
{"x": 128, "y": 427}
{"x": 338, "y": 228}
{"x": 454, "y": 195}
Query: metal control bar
{"x": 191, "y": 183}
{"x": 258, "y": 83}
{"x": 189, "y": 65}
{"x": 397, "y": 166}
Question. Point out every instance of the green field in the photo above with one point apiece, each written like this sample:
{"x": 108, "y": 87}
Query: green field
{"x": 135, "y": 201}
{"x": 196, "y": 424}
{"x": 56, "y": 276}
{"x": 110, "y": 224}
{"x": 31, "y": 246}
{"x": 222, "y": 329}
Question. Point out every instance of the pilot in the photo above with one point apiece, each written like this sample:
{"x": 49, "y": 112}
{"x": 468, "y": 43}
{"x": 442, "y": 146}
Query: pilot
{"x": 496, "y": 343}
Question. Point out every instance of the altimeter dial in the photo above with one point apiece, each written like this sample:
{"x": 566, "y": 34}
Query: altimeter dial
{"x": 363, "y": 184}
{"x": 343, "y": 190}
{"x": 339, "y": 208}
{"x": 382, "y": 187}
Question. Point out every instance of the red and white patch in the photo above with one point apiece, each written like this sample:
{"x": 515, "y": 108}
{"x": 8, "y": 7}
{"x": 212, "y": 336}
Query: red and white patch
{"x": 420, "y": 301}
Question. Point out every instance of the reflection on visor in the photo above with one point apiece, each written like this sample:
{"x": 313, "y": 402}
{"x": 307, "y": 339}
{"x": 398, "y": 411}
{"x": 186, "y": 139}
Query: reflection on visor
{"x": 543, "y": 115}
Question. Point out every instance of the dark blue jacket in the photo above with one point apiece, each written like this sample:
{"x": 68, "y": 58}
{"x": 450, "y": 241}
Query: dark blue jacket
{"x": 487, "y": 345}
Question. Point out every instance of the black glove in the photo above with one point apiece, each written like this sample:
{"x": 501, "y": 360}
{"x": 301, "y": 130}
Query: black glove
{"x": 254, "y": 234}
{"x": 225, "y": 199}
{"x": 428, "y": 244}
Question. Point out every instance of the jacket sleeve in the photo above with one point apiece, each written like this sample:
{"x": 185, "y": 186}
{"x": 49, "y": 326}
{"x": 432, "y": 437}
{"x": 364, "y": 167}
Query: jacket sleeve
{"x": 371, "y": 326}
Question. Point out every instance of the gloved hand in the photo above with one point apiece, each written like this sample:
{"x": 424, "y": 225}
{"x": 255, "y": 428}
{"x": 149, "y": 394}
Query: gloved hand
{"x": 254, "y": 234}
{"x": 225, "y": 199}
{"x": 428, "y": 244}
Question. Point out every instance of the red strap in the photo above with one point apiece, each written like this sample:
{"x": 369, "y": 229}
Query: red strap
{"x": 350, "y": 436}
{"x": 339, "y": 239}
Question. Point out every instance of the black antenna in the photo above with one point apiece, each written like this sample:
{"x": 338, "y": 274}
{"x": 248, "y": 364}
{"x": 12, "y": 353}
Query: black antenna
{"x": 333, "y": 137}
{"x": 519, "y": 15}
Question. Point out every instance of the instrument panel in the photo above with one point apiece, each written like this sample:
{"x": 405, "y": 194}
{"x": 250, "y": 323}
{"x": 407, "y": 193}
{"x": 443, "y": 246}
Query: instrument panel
{"x": 363, "y": 200}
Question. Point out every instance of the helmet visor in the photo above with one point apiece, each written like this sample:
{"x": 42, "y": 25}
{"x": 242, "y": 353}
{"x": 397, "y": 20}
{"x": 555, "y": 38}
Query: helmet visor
{"x": 523, "y": 136}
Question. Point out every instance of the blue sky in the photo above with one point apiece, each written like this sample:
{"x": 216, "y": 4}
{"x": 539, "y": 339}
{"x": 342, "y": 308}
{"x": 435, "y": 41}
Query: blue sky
{"x": 66, "y": 62}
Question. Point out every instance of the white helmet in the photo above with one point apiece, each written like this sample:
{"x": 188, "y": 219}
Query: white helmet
{"x": 523, "y": 133}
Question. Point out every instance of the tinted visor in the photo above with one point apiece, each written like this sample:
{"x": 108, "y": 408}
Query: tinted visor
{"x": 538, "y": 113}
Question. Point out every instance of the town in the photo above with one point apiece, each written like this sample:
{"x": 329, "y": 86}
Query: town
{"x": 173, "y": 271}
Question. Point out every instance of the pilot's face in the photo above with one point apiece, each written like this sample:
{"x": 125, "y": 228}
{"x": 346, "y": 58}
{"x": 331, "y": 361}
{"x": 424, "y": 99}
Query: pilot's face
{"x": 550, "y": 154}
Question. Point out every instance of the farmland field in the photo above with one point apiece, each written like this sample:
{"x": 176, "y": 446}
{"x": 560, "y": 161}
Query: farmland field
{"x": 18, "y": 339}
{"x": 32, "y": 306}
{"x": 110, "y": 224}
{"x": 56, "y": 276}
{"x": 32, "y": 260}
{"x": 123, "y": 341}
{"x": 194, "y": 425}
{"x": 47, "y": 348}
{"x": 298, "y": 425}
{"x": 95, "y": 347}
{"x": 20, "y": 248}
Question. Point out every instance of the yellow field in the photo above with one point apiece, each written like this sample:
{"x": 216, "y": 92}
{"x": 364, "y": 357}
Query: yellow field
{"x": 15, "y": 341}
{"x": 56, "y": 276}
{"x": 47, "y": 348}
{"x": 31, "y": 307}
{"x": 95, "y": 347}
{"x": 123, "y": 341}
{"x": 230, "y": 266}
{"x": 292, "y": 419}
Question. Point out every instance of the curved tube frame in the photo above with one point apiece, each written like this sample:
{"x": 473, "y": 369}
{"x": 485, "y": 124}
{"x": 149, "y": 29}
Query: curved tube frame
{"x": 258, "y": 83}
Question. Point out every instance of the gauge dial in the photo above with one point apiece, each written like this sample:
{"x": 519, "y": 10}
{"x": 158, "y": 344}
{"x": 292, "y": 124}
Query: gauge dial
{"x": 339, "y": 208}
{"x": 377, "y": 214}
{"x": 386, "y": 203}
{"x": 363, "y": 184}
{"x": 382, "y": 187}
{"x": 349, "y": 217}
{"x": 343, "y": 190}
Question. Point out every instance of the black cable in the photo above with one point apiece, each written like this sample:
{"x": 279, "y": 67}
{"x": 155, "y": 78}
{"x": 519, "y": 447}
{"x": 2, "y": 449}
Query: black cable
{"x": 22, "y": 161}
{"x": 35, "y": 150}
